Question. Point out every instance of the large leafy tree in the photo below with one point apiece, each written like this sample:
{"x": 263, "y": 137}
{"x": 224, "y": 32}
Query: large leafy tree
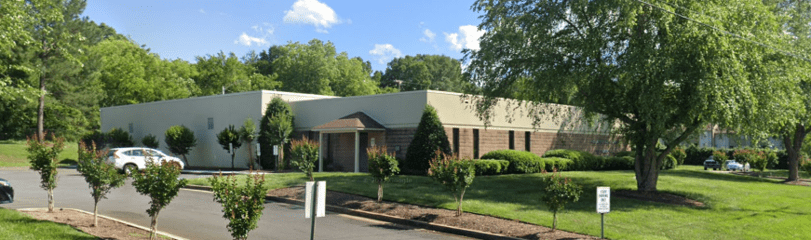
{"x": 222, "y": 71}
{"x": 54, "y": 47}
{"x": 660, "y": 70}
{"x": 787, "y": 114}
{"x": 421, "y": 72}
{"x": 316, "y": 68}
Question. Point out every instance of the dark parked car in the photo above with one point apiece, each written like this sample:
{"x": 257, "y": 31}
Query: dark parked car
{"x": 6, "y": 192}
{"x": 711, "y": 163}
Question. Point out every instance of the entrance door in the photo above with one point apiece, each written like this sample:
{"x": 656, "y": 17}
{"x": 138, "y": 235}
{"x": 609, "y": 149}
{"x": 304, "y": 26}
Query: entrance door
{"x": 364, "y": 157}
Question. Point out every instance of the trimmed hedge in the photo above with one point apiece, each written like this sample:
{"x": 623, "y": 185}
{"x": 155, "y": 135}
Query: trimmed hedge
{"x": 491, "y": 167}
{"x": 581, "y": 161}
{"x": 555, "y": 162}
{"x": 520, "y": 161}
{"x": 618, "y": 163}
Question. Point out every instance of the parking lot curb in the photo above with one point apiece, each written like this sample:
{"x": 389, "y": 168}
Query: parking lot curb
{"x": 112, "y": 219}
{"x": 388, "y": 218}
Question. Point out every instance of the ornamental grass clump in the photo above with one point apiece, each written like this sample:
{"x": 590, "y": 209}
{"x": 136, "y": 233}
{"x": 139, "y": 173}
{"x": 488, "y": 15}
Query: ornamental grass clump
{"x": 101, "y": 176}
{"x": 304, "y": 153}
{"x": 453, "y": 173}
{"x": 557, "y": 193}
{"x": 42, "y": 156}
{"x": 241, "y": 205}
{"x": 382, "y": 166}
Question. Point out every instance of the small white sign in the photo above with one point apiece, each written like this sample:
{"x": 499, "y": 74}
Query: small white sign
{"x": 320, "y": 204}
{"x": 603, "y": 199}
{"x": 275, "y": 150}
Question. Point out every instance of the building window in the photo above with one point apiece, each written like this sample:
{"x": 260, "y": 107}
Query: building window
{"x": 130, "y": 128}
{"x": 210, "y": 123}
{"x": 456, "y": 141}
{"x": 527, "y": 144}
{"x": 476, "y": 143}
{"x": 512, "y": 140}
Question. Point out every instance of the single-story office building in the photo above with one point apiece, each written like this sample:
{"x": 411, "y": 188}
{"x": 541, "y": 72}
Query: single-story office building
{"x": 345, "y": 126}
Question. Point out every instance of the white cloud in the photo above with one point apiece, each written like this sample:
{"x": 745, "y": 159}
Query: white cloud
{"x": 429, "y": 36}
{"x": 312, "y": 12}
{"x": 467, "y": 37}
{"x": 247, "y": 40}
{"x": 385, "y": 52}
{"x": 264, "y": 28}
{"x": 202, "y": 11}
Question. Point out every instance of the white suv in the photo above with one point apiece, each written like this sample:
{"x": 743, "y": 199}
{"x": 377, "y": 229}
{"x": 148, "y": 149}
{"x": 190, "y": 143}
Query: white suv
{"x": 134, "y": 158}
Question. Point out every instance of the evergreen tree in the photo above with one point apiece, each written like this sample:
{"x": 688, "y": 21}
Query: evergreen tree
{"x": 275, "y": 128}
{"x": 429, "y": 138}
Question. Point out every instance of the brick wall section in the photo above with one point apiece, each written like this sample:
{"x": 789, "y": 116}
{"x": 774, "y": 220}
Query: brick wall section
{"x": 343, "y": 151}
{"x": 399, "y": 137}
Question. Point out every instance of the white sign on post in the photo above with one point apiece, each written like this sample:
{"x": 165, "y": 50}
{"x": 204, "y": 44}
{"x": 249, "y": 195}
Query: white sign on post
{"x": 321, "y": 201}
{"x": 603, "y": 199}
{"x": 275, "y": 150}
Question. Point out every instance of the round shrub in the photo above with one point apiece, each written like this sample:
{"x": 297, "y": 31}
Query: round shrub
{"x": 553, "y": 163}
{"x": 619, "y": 163}
{"x": 669, "y": 162}
{"x": 491, "y": 167}
{"x": 582, "y": 161}
{"x": 519, "y": 161}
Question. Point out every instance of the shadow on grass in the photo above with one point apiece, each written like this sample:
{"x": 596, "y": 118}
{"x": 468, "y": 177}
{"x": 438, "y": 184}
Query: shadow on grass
{"x": 714, "y": 176}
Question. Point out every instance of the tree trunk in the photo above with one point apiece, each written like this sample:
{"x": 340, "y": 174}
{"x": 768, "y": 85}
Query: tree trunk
{"x": 41, "y": 110}
{"x": 154, "y": 224}
{"x": 554, "y": 221}
{"x": 233, "y": 153}
{"x": 96, "y": 214}
{"x": 379, "y": 191}
{"x": 793, "y": 146}
{"x": 250, "y": 156}
{"x": 50, "y": 200}
{"x": 459, "y": 207}
{"x": 647, "y": 167}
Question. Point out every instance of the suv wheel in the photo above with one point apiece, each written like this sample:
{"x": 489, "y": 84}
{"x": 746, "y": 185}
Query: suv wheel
{"x": 129, "y": 169}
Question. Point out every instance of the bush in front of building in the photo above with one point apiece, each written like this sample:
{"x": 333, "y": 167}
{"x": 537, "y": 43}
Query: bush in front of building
{"x": 520, "y": 161}
{"x": 275, "y": 128}
{"x": 429, "y": 138}
{"x": 618, "y": 163}
{"x": 180, "y": 140}
{"x": 304, "y": 154}
{"x": 150, "y": 141}
{"x": 560, "y": 164}
{"x": 581, "y": 161}
{"x": 119, "y": 138}
{"x": 96, "y": 137}
{"x": 491, "y": 167}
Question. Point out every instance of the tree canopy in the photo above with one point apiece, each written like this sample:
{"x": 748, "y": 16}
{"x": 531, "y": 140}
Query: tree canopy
{"x": 423, "y": 72}
{"x": 661, "y": 70}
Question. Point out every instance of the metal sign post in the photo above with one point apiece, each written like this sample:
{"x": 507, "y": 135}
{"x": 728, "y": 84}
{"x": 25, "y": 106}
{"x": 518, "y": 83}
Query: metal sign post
{"x": 603, "y": 206}
{"x": 314, "y": 202}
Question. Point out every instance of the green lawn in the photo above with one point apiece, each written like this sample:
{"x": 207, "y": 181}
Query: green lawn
{"x": 16, "y": 225}
{"x": 738, "y": 207}
{"x": 13, "y": 154}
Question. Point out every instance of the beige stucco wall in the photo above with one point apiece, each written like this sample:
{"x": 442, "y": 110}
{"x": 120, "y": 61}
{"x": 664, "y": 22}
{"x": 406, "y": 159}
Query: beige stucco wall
{"x": 155, "y": 117}
{"x": 457, "y": 112}
{"x": 396, "y": 110}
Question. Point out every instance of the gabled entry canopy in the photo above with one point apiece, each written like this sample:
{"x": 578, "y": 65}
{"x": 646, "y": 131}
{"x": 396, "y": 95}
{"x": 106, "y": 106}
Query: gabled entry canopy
{"x": 356, "y": 123}
{"x": 352, "y": 122}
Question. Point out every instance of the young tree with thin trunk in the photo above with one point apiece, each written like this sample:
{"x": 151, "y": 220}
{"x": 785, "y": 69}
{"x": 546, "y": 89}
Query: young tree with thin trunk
{"x": 241, "y": 205}
{"x": 180, "y": 140}
{"x": 101, "y": 176}
{"x": 557, "y": 193}
{"x": 305, "y": 154}
{"x": 43, "y": 158}
{"x": 247, "y": 133}
{"x": 453, "y": 173}
{"x": 382, "y": 166}
{"x": 161, "y": 183}
{"x": 229, "y": 139}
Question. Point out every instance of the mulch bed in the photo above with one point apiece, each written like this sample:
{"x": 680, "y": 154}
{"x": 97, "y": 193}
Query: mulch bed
{"x": 660, "y": 197}
{"x": 107, "y": 229}
{"x": 512, "y": 228}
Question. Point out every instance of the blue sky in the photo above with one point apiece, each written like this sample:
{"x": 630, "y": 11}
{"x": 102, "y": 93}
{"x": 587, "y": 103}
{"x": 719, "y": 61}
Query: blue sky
{"x": 377, "y": 31}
